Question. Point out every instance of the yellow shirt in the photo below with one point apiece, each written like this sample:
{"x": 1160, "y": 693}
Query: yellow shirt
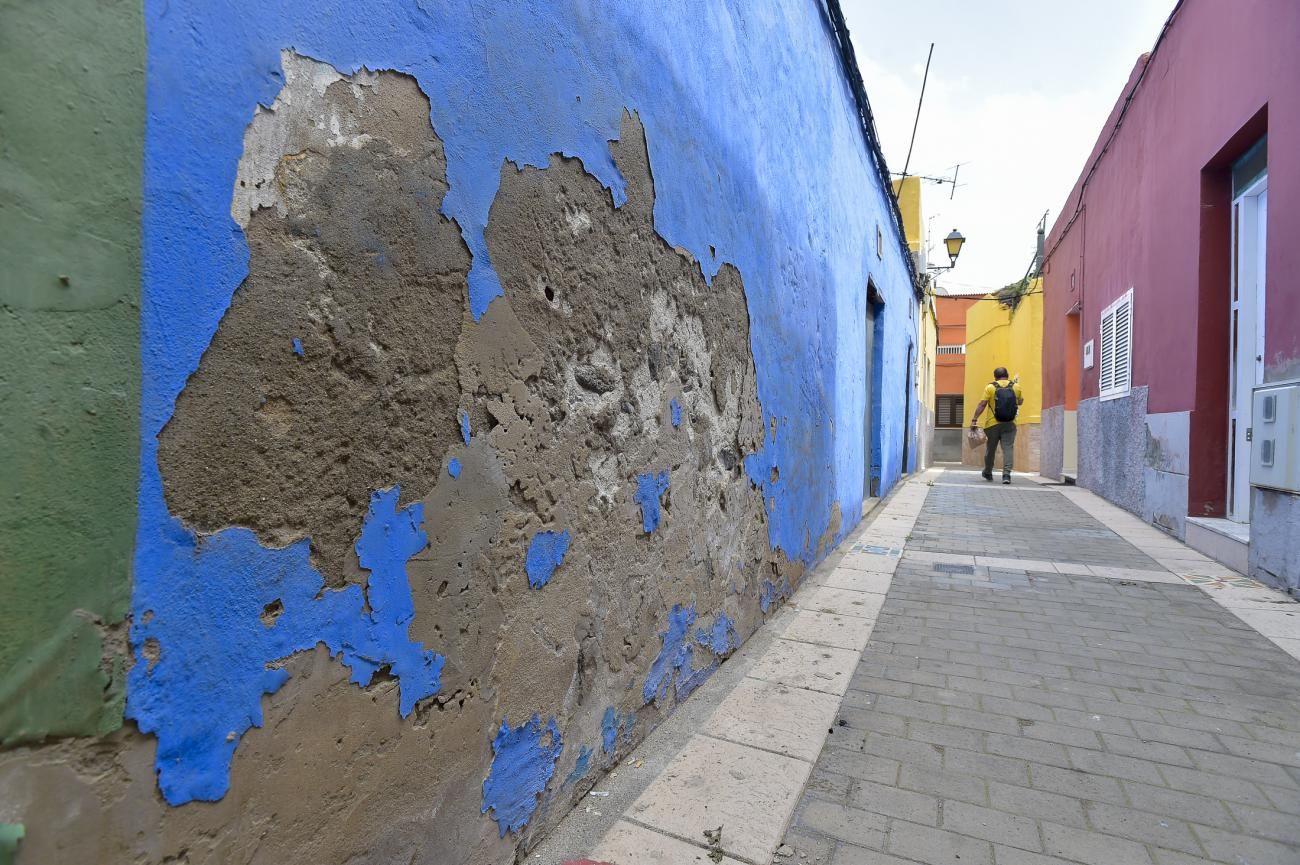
{"x": 990, "y": 399}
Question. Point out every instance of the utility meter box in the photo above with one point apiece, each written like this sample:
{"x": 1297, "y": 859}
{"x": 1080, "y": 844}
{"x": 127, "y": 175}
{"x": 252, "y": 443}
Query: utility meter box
{"x": 1275, "y": 437}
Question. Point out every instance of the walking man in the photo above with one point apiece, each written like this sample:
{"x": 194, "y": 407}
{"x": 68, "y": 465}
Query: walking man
{"x": 1004, "y": 398}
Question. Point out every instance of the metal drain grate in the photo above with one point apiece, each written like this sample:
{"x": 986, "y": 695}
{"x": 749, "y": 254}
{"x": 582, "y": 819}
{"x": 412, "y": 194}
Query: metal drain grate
{"x": 955, "y": 569}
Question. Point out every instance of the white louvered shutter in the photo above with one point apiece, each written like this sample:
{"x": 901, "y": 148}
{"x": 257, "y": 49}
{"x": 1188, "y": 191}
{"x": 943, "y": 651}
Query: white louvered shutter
{"x": 1124, "y": 344}
{"x": 1106, "y": 381}
{"x": 1115, "y": 378}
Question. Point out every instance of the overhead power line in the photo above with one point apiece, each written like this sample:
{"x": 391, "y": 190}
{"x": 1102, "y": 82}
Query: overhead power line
{"x": 907, "y": 163}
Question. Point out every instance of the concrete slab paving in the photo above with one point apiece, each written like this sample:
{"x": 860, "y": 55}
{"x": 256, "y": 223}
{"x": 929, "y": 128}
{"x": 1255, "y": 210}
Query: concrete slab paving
{"x": 829, "y": 629}
{"x": 630, "y": 844}
{"x": 804, "y": 665}
{"x": 748, "y": 792}
{"x": 778, "y": 718}
{"x": 870, "y": 563}
{"x": 875, "y": 583}
{"x": 1141, "y": 575}
{"x": 846, "y": 602}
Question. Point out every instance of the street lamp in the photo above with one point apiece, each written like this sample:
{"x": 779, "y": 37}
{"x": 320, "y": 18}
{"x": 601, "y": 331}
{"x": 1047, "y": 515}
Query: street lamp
{"x": 953, "y": 242}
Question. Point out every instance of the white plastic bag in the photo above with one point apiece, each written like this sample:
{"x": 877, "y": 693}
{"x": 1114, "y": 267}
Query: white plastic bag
{"x": 975, "y": 437}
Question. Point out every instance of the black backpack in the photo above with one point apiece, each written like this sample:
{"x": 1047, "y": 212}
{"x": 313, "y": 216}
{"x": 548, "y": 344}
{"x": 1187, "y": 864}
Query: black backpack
{"x": 1004, "y": 403}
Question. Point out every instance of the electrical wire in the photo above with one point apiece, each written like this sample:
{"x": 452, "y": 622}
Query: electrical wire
{"x": 916, "y": 121}
{"x": 848, "y": 61}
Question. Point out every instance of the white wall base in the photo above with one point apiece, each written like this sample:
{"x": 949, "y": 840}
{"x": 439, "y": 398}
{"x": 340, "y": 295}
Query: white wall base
{"x": 1222, "y": 540}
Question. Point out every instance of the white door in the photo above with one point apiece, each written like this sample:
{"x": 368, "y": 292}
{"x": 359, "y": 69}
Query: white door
{"x": 1249, "y": 231}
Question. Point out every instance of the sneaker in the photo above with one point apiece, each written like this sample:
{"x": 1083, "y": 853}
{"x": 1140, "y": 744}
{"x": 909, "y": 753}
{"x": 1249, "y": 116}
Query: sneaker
{"x": 1006, "y": 479}
{"x": 987, "y": 475}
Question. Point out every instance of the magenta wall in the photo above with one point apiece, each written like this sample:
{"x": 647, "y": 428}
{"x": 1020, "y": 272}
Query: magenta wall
{"x": 1224, "y": 74}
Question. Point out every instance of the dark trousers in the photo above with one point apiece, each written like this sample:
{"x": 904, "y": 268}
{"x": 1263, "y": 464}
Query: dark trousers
{"x": 1004, "y": 433}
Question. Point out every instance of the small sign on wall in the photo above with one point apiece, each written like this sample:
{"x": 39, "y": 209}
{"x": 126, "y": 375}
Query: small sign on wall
{"x": 1087, "y": 355}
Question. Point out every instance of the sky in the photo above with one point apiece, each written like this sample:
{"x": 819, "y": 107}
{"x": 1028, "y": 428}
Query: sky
{"x": 1018, "y": 92}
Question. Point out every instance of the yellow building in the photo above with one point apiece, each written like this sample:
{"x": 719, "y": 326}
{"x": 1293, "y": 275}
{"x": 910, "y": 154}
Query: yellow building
{"x": 908, "y": 191}
{"x": 1001, "y": 334}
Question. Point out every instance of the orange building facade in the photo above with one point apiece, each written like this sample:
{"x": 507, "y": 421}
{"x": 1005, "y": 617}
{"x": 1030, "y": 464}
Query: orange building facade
{"x": 950, "y": 410}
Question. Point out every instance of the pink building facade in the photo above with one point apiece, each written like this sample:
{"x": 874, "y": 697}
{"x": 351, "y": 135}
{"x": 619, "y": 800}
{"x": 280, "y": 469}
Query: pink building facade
{"x": 1172, "y": 286}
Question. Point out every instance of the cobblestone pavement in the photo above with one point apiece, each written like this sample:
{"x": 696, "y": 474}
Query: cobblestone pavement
{"x": 1003, "y": 716}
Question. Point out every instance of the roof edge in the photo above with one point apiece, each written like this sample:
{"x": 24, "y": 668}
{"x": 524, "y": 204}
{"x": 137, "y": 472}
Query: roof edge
{"x": 866, "y": 121}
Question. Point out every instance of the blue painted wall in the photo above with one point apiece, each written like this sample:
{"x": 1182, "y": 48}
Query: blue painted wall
{"x": 758, "y": 161}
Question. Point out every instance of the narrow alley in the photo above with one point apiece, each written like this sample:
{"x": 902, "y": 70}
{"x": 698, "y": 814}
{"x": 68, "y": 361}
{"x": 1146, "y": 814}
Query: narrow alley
{"x": 1043, "y": 680}
{"x": 438, "y": 432}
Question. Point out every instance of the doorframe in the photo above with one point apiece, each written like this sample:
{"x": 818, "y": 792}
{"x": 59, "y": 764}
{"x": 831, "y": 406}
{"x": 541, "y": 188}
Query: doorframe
{"x": 1249, "y": 211}
{"x": 874, "y": 318}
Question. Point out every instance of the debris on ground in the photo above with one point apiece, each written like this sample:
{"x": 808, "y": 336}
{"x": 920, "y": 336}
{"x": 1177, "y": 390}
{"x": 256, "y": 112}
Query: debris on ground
{"x": 714, "y": 837}
{"x": 785, "y": 850}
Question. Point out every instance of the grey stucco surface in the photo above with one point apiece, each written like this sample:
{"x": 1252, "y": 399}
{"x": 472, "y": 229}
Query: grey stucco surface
{"x": 1051, "y": 452}
{"x": 1112, "y": 448}
{"x": 1275, "y": 539}
{"x": 1167, "y": 458}
{"x": 1168, "y": 437}
{"x": 947, "y": 446}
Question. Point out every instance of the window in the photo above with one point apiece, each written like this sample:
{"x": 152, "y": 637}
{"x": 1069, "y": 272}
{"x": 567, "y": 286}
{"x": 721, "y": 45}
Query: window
{"x": 880, "y": 242}
{"x": 951, "y": 349}
{"x": 949, "y": 410}
{"x": 1116, "y": 376}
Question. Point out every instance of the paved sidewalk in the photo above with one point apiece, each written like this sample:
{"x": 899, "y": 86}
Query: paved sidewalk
{"x": 981, "y": 675}
{"x": 1084, "y": 704}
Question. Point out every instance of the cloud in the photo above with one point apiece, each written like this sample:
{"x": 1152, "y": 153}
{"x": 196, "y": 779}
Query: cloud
{"x": 1020, "y": 115}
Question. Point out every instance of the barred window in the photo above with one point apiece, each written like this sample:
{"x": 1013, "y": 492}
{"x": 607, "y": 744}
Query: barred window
{"x": 951, "y": 349}
{"x": 949, "y": 410}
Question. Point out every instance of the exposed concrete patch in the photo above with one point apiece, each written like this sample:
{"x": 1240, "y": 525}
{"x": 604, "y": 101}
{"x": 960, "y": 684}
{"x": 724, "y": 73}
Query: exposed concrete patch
{"x": 338, "y": 191}
{"x": 576, "y": 370}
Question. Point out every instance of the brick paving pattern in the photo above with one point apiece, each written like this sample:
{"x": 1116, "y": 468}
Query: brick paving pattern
{"x": 965, "y": 514}
{"x": 1044, "y": 719}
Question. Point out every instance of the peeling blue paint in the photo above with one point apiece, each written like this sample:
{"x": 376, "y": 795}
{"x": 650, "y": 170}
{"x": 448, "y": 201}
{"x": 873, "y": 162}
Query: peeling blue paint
{"x": 545, "y": 553}
{"x": 217, "y": 658}
{"x": 297, "y": 347}
{"x": 773, "y": 592}
{"x": 464, "y": 426}
{"x": 522, "y": 765}
{"x": 649, "y": 490}
{"x": 612, "y": 726}
{"x": 453, "y": 467}
{"x": 609, "y": 731}
{"x": 674, "y": 655}
{"x": 677, "y": 412}
{"x": 580, "y": 767}
{"x": 721, "y": 638}
{"x": 690, "y": 679}
{"x": 389, "y": 538}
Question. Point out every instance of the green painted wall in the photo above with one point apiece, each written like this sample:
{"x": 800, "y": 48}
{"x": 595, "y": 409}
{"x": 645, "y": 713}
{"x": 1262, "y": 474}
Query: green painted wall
{"x": 71, "y": 136}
